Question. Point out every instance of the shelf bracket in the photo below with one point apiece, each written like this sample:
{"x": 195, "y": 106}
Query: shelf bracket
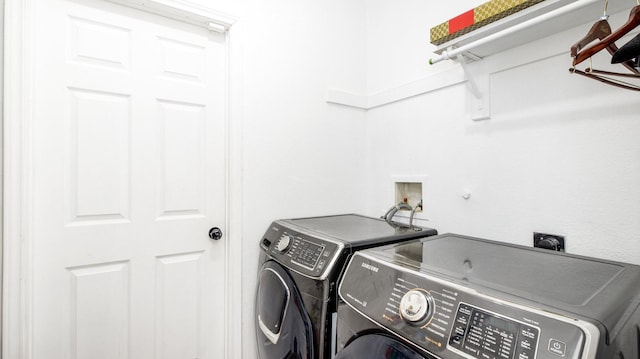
{"x": 478, "y": 85}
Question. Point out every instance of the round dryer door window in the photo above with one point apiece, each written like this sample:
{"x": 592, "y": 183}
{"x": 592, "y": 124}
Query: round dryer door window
{"x": 283, "y": 327}
{"x": 378, "y": 346}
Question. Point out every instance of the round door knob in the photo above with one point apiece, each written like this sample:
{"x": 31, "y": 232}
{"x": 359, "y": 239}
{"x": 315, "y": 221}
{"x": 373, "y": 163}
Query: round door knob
{"x": 215, "y": 233}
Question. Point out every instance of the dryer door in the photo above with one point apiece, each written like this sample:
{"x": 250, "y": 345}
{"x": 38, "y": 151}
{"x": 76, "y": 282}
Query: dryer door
{"x": 283, "y": 327}
{"x": 378, "y": 346}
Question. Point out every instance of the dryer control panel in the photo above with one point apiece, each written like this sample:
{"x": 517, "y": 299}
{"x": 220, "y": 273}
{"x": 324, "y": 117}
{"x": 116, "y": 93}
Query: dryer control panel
{"x": 454, "y": 321}
{"x": 308, "y": 255}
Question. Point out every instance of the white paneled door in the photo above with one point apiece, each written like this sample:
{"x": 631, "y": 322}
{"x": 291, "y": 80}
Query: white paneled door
{"x": 129, "y": 176}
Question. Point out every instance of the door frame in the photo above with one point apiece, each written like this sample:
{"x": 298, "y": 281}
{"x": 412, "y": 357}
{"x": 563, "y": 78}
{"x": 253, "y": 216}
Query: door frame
{"x": 18, "y": 118}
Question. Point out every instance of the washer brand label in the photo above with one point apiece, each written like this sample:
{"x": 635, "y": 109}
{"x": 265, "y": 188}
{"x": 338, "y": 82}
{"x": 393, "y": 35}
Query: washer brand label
{"x": 361, "y": 302}
{"x": 369, "y": 267}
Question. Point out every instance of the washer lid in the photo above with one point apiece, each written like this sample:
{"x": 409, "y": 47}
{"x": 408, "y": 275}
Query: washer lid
{"x": 593, "y": 288}
{"x": 359, "y": 230}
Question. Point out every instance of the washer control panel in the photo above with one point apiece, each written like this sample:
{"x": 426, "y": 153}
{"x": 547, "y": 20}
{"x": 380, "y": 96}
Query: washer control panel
{"x": 452, "y": 320}
{"x": 308, "y": 255}
{"x": 482, "y": 334}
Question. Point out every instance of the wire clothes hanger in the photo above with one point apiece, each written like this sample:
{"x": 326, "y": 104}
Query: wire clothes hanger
{"x": 607, "y": 41}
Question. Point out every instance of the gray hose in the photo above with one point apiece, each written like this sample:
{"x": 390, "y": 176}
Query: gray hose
{"x": 392, "y": 211}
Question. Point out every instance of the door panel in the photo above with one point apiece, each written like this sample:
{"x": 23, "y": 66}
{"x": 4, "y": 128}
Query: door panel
{"x": 128, "y": 178}
{"x": 99, "y": 155}
{"x": 181, "y": 153}
{"x": 179, "y": 308}
{"x": 99, "y": 310}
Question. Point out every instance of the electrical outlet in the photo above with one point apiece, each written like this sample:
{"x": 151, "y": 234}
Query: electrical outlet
{"x": 552, "y": 242}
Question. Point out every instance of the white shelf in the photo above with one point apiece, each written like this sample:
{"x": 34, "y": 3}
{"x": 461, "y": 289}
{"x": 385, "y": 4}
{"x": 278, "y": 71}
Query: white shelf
{"x": 539, "y": 21}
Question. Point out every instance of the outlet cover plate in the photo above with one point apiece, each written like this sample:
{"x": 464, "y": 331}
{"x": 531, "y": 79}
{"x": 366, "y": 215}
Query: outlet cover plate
{"x": 542, "y": 240}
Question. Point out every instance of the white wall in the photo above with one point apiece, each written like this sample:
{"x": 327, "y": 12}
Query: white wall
{"x": 561, "y": 153}
{"x": 397, "y": 39}
{"x": 301, "y": 156}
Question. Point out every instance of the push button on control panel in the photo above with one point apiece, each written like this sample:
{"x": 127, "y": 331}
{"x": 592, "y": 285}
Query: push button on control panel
{"x": 557, "y": 347}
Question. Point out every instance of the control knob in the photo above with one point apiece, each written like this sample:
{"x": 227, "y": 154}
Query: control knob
{"x": 284, "y": 243}
{"x": 416, "y": 306}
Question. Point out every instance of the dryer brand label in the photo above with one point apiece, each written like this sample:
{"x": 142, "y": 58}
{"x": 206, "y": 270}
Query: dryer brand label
{"x": 369, "y": 267}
